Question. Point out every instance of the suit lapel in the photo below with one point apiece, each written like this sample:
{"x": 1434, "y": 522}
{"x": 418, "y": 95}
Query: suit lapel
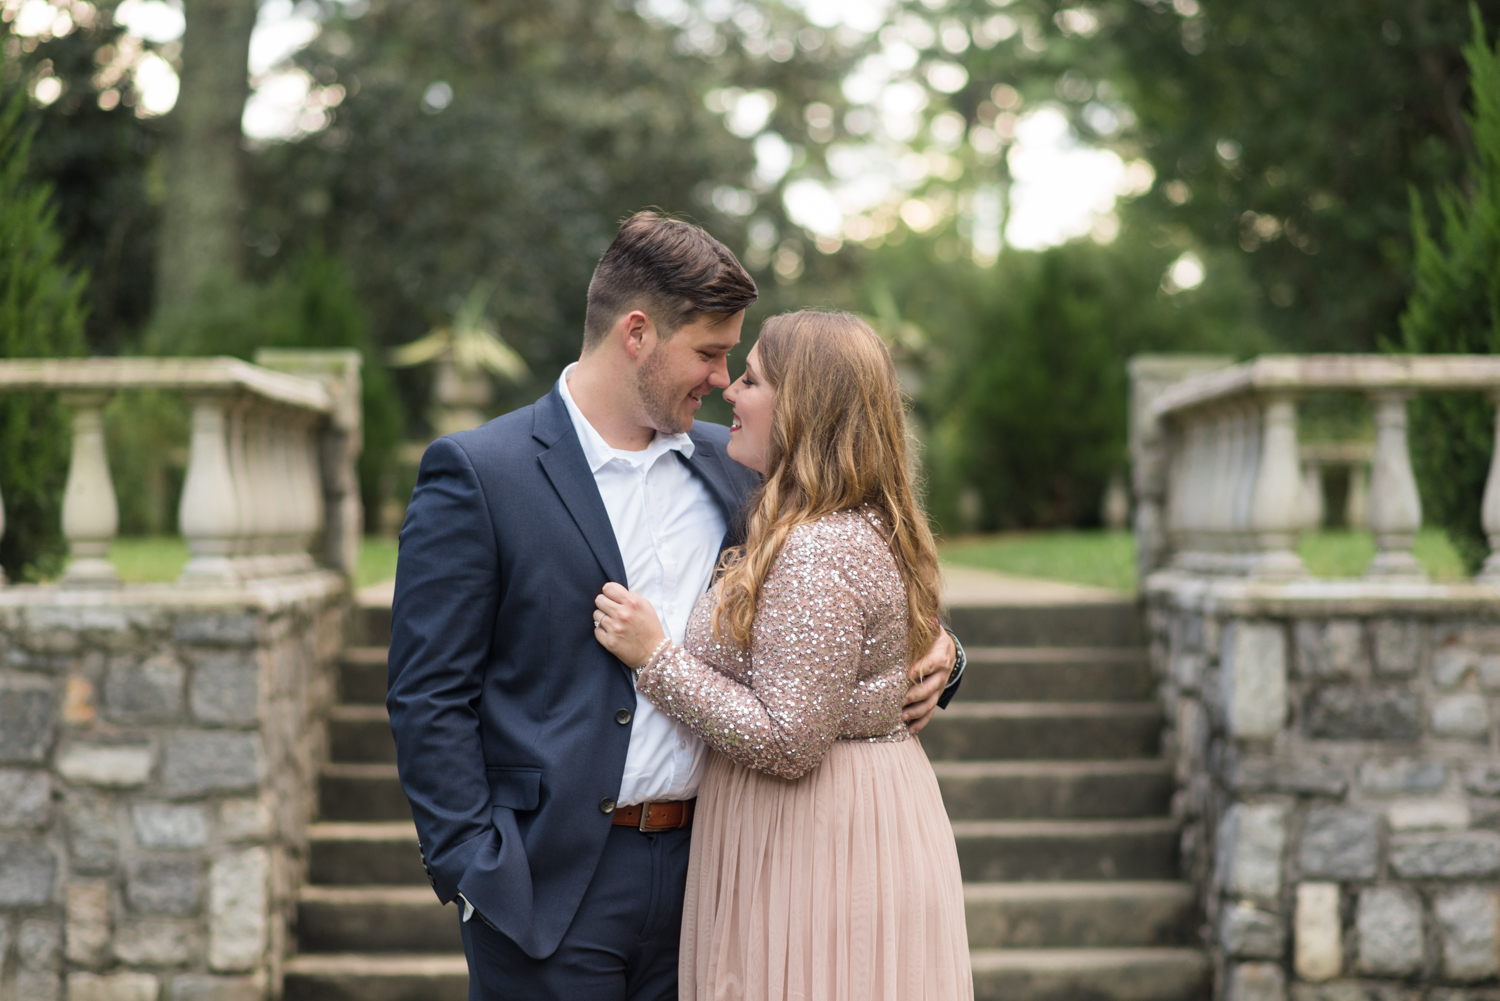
{"x": 566, "y": 467}
{"x": 707, "y": 463}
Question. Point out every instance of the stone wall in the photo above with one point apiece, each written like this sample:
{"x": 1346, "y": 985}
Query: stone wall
{"x": 1339, "y": 782}
{"x": 158, "y": 756}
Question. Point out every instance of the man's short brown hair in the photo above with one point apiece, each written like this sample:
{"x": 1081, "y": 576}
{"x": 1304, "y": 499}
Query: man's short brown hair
{"x": 670, "y": 270}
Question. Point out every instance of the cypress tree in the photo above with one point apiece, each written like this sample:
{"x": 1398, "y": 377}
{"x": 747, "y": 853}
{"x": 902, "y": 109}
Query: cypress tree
{"x": 41, "y": 315}
{"x": 1455, "y": 308}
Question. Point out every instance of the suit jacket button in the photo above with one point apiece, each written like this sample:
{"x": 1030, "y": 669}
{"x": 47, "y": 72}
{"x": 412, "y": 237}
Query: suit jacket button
{"x": 607, "y": 805}
{"x": 622, "y": 717}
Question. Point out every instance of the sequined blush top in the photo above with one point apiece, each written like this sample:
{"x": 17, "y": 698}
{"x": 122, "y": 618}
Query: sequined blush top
{"x": 827, "y": 658}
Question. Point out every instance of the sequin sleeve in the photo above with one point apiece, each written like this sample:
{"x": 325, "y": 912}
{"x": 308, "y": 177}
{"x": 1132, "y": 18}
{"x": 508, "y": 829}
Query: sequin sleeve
{"x": 808, "y": 635}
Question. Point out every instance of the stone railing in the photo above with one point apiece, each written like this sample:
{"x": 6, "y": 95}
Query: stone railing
{"x": 1355, "y": 458}
{"x": 270, "y": 463}
{"x": 1335, "y": 741}
{"x": 159, "y": 743}
{"x": 1223, "y": 493}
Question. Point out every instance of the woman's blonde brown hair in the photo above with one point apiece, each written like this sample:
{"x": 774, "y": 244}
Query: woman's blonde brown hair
{"x": 838, "y": 441}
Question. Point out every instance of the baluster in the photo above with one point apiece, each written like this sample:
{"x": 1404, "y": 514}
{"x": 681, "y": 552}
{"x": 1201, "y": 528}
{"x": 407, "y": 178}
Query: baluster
{"x": 306, "y": 457}
{"x": 314, "y": 473}
{"x": 274, "y": 543}
{"x": 296, "y": 504}
{"x": 209, "y": 512}
{"x": 1197, "y": 507}
{"x": 1245, "y": 472}
{"x": 1395, "y": 505}
{"x": 278, "y": 489}
{"x": 1489, "y": 509}
{"x": 1185, "y": 491}
{"x": 1357, "y": 507}
{"x": 1313, "y": 503}
{"x": 264, "y": 491}
{"x": 1176, "y": 512}
{"x": 90, "y": 515}
{"x": 239, "y": 470}
{"x": 1278, "y": 484}
{"x": 1221, "y": 459}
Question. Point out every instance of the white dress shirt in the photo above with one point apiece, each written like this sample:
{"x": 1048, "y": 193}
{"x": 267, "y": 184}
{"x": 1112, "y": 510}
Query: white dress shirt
{"x": 669, "y": 529}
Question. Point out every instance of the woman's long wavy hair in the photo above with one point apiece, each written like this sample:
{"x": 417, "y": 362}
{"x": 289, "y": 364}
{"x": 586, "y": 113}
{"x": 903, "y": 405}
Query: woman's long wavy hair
{"x": 838, "y": 441}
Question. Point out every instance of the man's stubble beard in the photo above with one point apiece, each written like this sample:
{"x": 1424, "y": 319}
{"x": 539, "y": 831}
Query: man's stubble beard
{"x": 659, "y": 399}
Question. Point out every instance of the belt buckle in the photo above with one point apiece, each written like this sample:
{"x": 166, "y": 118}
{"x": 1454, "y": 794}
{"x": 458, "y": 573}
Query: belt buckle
{"x": 645, "y": 812}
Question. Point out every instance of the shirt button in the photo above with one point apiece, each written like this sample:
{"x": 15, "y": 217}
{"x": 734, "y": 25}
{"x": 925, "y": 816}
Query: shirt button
{"x": 622, "y": 717}
{"x": 607, "y": 805}
{"x": 682, "y": 745}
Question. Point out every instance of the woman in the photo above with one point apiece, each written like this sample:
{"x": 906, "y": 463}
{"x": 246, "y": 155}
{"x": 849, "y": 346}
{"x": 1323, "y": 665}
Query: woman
{"x": 823, "y": 865}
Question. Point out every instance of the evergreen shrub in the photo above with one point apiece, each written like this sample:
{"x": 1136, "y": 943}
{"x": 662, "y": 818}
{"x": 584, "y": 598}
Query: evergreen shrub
{"x": 1455, "y": 308}
{"x": 42, "y": 314}
{"x": 1027, "y": 403}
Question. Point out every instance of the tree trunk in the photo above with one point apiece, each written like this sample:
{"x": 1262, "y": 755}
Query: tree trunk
{"x": 200, "y": 235}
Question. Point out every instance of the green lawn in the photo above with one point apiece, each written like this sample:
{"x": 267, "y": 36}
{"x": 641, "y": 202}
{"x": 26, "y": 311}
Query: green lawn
{"x": 160, "y": 559}
{"x": 1107, "y": 559}
{"x": 1100, "y": 559}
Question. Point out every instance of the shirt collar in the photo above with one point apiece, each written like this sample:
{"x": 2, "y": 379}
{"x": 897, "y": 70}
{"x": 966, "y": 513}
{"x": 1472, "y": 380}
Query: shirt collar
{"x": 597, "y": 451}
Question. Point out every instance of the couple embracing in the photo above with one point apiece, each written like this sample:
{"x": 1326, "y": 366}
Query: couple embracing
{"x": 654, "y": 682}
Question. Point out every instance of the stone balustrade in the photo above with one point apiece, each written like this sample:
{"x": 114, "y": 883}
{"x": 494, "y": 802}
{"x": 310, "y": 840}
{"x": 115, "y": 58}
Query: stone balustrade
{"x": 160, "y": 743}
{"x": 1336, "y": 742}
{"x": 1355, "y": 458}
{"x": 270, "y": 463}
{"x": 1225, "y": 490}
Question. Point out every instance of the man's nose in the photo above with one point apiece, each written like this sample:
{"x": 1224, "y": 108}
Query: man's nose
{"x": 719, "y": 377}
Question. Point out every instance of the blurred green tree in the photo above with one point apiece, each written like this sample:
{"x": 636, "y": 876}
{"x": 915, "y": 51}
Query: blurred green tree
{"x": 95, "y": 146}
{"x": 1281, "y": 133}
{"x": 502, "y": 141}
{"x": 1026, "y": 396}
{"x": 1287, "y": 134}
{"x": 42, "y": 314}
{"x": 1455, "y": 307}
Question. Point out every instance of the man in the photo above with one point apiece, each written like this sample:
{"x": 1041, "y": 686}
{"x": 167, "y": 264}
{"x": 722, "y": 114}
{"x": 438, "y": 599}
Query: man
{"x": 550, "y": 800}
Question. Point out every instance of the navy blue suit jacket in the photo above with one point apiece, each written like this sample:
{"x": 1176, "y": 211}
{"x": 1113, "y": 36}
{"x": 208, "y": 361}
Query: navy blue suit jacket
{"x": 502, "y": 702}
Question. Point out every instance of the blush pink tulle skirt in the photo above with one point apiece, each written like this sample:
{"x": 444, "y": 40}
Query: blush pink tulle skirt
{"x": 840, "y": 886}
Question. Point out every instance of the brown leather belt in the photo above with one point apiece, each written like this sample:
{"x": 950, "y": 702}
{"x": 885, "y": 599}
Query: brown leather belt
{"x": 655, "y": 816}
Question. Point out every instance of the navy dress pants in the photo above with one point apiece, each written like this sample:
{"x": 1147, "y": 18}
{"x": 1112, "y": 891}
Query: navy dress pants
{"x": 622, "y": 944}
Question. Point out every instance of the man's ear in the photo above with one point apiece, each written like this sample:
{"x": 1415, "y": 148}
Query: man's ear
{"x": 637, "y": 332}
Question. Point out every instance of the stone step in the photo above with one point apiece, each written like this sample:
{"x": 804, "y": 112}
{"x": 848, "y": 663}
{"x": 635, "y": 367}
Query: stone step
{"x": 1060, "y": 790}
{"x": 1039, "y": 731}
{"x": 972, "y": 790}
{"x": 360, "y": 734}
{"x": 1056, "y": 674}
{"x": 1080, "y": 915}
{"x": 361, "y": 792}
{"x": 371, "y": 624}
{"x": 362, "y": 675}
{"x": 1090, "y": 974}
{"x": 1066, "y": 850}
{"x": 1088, "y": 623}
{"x": 364, "y": 855}
{"x": 401, "y": 919}
{"x": 376, "y": 977}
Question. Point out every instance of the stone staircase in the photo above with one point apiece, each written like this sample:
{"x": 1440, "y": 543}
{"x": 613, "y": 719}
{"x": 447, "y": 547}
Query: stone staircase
{"x": 1048, "y": 764}
{"x": 368, "y": 925}
{"x": 1049, "y": 767}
